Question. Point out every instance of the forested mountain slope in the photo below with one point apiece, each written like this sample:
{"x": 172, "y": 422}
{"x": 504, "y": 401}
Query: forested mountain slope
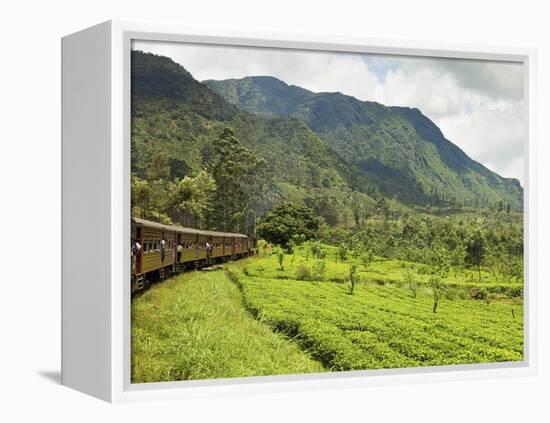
{"x": 176, "y": 116}
{"x": 399, "y": 150}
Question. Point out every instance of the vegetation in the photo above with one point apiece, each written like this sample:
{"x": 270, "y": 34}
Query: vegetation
{"x": 382, "y": 244}
{"x": 421, "y": 168}
{"x": 381, "y": 325}
{"x": 285, "y": 222}
{"x": 193, "y": 326}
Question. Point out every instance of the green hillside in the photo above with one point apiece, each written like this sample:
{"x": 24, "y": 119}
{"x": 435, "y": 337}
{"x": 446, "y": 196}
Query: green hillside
{"x": 176, "y": 119}
{"x": 398, "y": 149}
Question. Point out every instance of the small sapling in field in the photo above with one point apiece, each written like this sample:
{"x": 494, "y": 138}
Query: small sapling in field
{"x": 367, "y": 258}
{"x": 410, "y": 282}
{"x": 352, "y": 278}
{"x": 342, "y": 252}
{"x": 319, "y": 270}
{"x": 281, "y": 258}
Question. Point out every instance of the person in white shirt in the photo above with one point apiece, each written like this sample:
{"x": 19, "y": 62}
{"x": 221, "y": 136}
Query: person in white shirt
{"x": 162, "y": 247}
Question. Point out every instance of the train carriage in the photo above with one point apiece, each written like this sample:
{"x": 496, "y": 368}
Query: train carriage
{"x": 164, "y": 249}
{"x": 156, "y": 257}
{"x": 217, "y": 246}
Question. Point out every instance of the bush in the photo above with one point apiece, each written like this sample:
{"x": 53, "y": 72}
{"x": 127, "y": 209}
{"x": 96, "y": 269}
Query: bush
{"x": 319, "y": 270}
{"x": 280, "y": 258}
{"x": 423, "y": 269}
{"x": 303, "y": 273}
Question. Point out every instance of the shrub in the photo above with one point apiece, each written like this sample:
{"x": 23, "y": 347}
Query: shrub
{"x": 342, "y": 252}
{"x": 319, "y": 269}
{"x": 423, "y": 270}
{"x": 352, "y": 278}
{"x": 410, "y": 282}
{"x": 303, "y": 273}
{"x": 281, "y": 257}
{"x": 367, "y": 258}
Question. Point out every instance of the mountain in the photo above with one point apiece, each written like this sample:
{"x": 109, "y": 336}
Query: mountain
{"x": 398, "y": 149}
{"x": 176, "y": 118}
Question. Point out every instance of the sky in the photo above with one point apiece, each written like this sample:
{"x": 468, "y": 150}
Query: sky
{"x": 478, "y": 105}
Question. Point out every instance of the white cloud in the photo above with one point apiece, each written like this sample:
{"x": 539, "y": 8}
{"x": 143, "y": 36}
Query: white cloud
{"x": 477, "y": 104}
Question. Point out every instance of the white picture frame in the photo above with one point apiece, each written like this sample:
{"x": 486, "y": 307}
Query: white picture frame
{"x": 96, "y": 207}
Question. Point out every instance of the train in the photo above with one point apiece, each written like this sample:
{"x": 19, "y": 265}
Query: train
{"x": 159, "y": 250}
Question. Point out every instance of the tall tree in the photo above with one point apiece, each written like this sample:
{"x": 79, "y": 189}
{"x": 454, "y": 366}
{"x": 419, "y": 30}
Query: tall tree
{"x": 476, "y": 250}
{"x": 241, "y": 180}
{"x": 192, "y": 198}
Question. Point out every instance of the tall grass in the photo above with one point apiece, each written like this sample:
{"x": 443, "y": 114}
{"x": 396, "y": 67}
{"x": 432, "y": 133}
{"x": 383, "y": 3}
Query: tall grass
{"x": 194, "y": 326}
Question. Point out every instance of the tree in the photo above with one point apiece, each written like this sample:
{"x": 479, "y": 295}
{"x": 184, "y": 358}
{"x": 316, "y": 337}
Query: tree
{"x": 150, "y": 198}
{"x": 343, "y": 251}
{"x": 141, "y": 194}
{"x": 241, "y": 180}
{"x": 367, "y": 258}
{"x": 410, "y": 281}
{"x": 286, "y": 221}
{"x": 476, "y": 250}
{"x": 280, "y": 258}
{"x": 352, "y": 277}
{"x": 324, "y": 206}
{"x": 440, "y": 270}
{"x": 382, "y": 208}
{"x": 192, "y": 197}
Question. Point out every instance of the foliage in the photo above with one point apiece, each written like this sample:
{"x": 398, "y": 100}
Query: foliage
{"x": 410, "y": 282}
{"x": 352, "y": 277}
{"x": 343, "y": 251}
{"x": 376, "y": 327}
{"x": 422, "y": 167}
{"x": 319, "y": 270}
{"x": 241, "y": 182}
{"x": 367, "y": 258}
{"x": 286, "y": 221}
{"x": 192, "y": 197}
{"x": 303, "y": 272}
{"x": 193, "y": 326}
{"x": 476, "y": 250}
{"x": 281, "y": 257}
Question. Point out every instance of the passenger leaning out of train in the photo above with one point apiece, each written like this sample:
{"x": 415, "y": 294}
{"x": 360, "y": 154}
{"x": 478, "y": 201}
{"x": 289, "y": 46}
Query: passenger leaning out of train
{"x": 162, "y": 248}
{"x": 179, "y": 250}
{"x": 136, "y": 247}
{"x": 208, "y": 249}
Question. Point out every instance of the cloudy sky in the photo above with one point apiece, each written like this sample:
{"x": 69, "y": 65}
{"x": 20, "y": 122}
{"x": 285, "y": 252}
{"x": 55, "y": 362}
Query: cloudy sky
{"x": 477, "y": 104}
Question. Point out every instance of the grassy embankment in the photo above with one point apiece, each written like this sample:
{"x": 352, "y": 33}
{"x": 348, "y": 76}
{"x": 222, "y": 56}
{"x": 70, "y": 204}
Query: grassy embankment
{"x": 194, "y": 326}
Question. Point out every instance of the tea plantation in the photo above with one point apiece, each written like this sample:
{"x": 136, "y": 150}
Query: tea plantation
{"x": 259, "y": 318}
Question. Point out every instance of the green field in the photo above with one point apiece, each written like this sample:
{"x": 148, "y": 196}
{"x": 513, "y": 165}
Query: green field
{"x": 381, "y": 271}
{"x": 256, "y": 319}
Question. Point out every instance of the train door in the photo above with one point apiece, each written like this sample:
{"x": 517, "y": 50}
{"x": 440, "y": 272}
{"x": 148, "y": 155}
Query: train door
{"x": 178, "y": 248}
{"x": 140, "y": 252}
{"x": 162, "y": 247}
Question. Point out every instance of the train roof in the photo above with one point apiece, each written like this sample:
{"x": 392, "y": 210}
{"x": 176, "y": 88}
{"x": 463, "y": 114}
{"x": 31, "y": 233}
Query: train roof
{"x": 182, "y": 229}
